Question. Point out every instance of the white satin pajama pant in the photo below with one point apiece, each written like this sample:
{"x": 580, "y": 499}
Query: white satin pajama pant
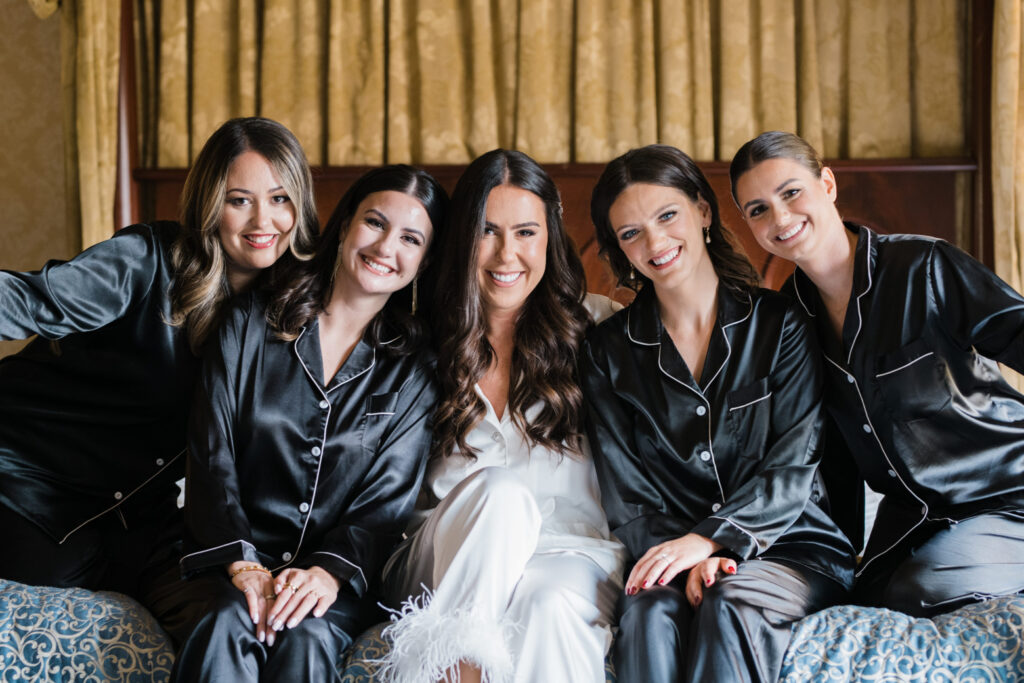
{"x": 492, "y": 600}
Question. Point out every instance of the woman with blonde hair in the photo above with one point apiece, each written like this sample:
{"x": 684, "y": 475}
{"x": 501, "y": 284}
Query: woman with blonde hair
{"x": 93, "y": 411}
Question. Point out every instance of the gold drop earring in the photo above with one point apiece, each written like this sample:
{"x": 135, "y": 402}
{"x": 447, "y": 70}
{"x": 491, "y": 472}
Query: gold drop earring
{"x": 632, "y": 274}
{"x": 707, "y": 234}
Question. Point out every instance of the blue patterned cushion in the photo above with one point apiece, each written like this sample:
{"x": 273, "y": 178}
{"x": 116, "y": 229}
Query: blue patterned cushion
{"x": 979, "y": 642}
{"x": 71, "y": 634}
{"x": 370, "y": 646}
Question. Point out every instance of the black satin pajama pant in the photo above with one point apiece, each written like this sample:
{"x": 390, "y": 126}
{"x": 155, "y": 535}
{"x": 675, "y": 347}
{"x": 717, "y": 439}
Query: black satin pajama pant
{"x": 224, "y": 647}
{"x": 739, "y": 632}
{"x": 943, "y": 564}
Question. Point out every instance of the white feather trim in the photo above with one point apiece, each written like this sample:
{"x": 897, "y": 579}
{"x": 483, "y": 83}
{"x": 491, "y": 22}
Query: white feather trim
{"x": 426, "y": 645}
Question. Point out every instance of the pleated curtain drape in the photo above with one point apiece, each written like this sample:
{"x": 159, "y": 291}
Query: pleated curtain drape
{"x": 441, "y": 81}
{"x": 1008, "y": 140}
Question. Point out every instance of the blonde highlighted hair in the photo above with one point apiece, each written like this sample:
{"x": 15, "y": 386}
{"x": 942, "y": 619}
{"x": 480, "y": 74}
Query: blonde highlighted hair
{"x": 201, "y": 285}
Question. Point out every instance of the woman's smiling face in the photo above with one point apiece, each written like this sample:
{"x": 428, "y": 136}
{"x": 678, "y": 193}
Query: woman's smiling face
{"x": 512, "y": 253}
{"x": 788, "y": 208}
{"x": 661, "y": 232}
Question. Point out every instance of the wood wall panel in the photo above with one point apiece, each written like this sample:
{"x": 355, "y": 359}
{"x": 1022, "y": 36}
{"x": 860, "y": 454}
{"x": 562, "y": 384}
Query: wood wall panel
{"x": 929, "y": 197}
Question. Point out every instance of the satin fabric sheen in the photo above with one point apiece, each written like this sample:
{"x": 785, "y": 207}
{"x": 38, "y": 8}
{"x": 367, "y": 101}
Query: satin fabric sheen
{"x": 913, "y": 386}
{"x": 733, "y": 457}
{"x": 95, "y": 408}
{"x": 285, "y": 471}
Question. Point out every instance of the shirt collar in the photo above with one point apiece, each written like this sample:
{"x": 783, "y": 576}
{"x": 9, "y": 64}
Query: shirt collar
{"x": 864, "y": 260}
{"x": 643, "y": 322}
{"x": 307, "y": 348}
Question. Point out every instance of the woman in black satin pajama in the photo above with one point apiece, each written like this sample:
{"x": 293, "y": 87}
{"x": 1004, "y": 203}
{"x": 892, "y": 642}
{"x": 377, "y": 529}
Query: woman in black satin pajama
{"x": 308, "y": 442}
{"x": 704, "y": 407}
{"x": 93, "y": 410}
{"x": 910, "y": 328}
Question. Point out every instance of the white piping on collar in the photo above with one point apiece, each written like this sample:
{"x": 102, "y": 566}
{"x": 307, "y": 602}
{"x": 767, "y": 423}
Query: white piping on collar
{"x": 750, "y": 311}
{"x": 629, "y": 331}
{"x": 860, "y": 318}
{"x": 796, "y": 286}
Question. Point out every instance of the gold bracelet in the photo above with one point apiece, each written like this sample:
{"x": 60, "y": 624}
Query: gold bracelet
{"x": 249, "y": 568}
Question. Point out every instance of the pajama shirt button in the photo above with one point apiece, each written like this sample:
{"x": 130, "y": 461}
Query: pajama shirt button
{"x": 324, "y": 405}
{"x": 716, "y": 507}
{"x": 892, "y": 473}
{"x": 701, "y": 410}
{"x": 118, "y": 495}
{"x": 304, "y": 507}
{"x": 496, "y": 437}
{"x": 159, "y": 462}
{"x": 866, "y": 428}
{"x": 849, "y": 378}
{"x": 705, "y": 456}
{"x": 286, "y": 557}
{"x": 316, "y": 450}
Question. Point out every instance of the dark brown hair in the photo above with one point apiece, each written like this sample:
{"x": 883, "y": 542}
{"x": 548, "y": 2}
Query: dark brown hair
{"x": 548, "y": 331}
{"x": 669, "y": 167}
{"x": 201, "y": 286}
{"x": 309, "y": 284}
{"x": 775, "y": 144}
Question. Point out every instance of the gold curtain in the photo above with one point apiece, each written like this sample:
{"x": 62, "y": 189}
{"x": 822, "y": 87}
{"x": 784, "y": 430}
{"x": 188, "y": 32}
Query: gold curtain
{"x": 441, "y": 81}
{"x": 1008, "y": 148}
{"x": 90, "y": 50}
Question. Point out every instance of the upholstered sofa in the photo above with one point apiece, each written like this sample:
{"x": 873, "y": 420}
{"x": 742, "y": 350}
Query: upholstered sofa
{"x": 51, "y": 634}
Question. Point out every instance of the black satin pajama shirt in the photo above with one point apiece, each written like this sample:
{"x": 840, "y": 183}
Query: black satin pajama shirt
{"x": 915, "y": 390}
{"x": 285, "y": 471}
{"x": 93, "y": 411}
{"x": 732, "y": 457}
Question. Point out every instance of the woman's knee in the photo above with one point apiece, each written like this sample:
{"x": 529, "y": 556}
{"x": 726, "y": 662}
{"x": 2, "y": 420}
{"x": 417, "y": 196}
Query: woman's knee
{"x": 660, "y": 610}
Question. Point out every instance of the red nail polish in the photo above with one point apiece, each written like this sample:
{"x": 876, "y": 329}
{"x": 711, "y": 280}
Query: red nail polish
{"x": 707, "y": 582}
{"x": 661, "y": 582}
{"x": 730, "y": 570}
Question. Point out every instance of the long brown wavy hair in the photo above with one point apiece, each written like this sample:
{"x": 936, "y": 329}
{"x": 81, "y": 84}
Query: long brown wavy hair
{"x": 669, "y": 167}
{"x": 201, "y": 285}
{"x": 547, "y": 333}
{"x": 308, "y": 285}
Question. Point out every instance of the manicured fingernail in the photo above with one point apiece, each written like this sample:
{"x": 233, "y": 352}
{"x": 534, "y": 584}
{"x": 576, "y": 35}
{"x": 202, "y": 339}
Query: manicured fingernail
{"x": 646, "y": 584}
{"x": 278, "y": 625}
{"x": 261, "y": 636}
{"x": 661, "y": 582}
{"x": 293, "y": 623}
{"x": 707, "y": 582}
{"x": 730, "y": 570}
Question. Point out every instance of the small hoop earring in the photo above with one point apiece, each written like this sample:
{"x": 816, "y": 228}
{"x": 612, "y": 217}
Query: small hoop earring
{"x": 707, "y": 234}
{"x": 415, "y": 295}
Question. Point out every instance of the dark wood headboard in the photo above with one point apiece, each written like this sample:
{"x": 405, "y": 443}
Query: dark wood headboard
{"x": 924, "y": 196}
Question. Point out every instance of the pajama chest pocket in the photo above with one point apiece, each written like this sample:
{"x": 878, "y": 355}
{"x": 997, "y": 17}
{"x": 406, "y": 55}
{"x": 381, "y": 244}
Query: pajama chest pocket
{"x": 380, "y": 408}
{"x": 748, "y": 417}
{"x": 913, "y": 381}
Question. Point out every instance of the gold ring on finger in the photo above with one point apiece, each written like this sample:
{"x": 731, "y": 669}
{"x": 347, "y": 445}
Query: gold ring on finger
{"x": 270, "y": 597}
{"x": 294, "y": 589}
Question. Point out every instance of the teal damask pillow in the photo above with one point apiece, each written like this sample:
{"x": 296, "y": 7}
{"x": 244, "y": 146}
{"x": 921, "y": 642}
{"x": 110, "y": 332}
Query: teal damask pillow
{"x": 71, "y": 634}
{"x": 978, "y": 643}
